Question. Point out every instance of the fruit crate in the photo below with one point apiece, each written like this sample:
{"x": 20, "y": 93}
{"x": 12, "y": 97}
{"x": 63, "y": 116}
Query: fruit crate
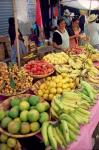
{"x": 5, "y": 105}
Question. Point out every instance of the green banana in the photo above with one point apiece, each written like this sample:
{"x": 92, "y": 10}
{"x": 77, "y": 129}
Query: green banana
{"x": 83, "y": 111}
{"x": 55, "y": 107}
{"x": 58, "y": 103}
{"x": 73, "y": 137}
{"x": 84, "y": 96}
{"x": 60, "y": 134}
{"x": 72, "y": 128}
{"x": 89, "y": 89}
{"x": 68, "y": 104}
{"x": 78, "y": 119}
{"x": 84, "y": 91}
{"x": 44, "y": 133}
{"x": 65, "y": 130}
{"x": 51, "y": 137}
{"x": 70, "y": 119}
{"x": 58, "y": 139}
{"x": 82, "y": 119}
{"x": 71, "y": 95}
{"x": 54, "y": 114}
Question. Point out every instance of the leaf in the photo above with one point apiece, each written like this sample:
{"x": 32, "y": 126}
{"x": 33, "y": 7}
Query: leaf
{"x": 12, "y": 83}
{"x": 3, "y": 85}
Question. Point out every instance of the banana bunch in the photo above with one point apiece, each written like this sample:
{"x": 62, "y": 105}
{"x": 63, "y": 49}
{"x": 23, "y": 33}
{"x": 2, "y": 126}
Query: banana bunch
{"x": 60, "y": 134}
{"x": 88, "y": 91}
{"x": 29, "y": 56}
{"x": 63, "y": 68}
{"x": 69, "y": 102}
{"x": 92, "y": 72}
{"x": 90, "y": 48}
{"x": 65, "y": 130}
{"x": 72, "y": 73}
{"x": 56, "y": 58}
{"x": 95, "y": 57}
{"x": 69, "y": 112}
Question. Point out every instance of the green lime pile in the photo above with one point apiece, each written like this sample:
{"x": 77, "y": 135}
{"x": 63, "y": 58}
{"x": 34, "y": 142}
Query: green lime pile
{"x": 7, "y": 143}
{"x": 25, "y": 115}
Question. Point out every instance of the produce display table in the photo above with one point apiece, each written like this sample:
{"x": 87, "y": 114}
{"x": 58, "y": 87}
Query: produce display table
{"x": 84, "y": 140}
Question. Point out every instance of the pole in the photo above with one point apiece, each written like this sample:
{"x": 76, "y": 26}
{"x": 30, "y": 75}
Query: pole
{"x": 16, "y": 29}
{"x": 90, "y": 7}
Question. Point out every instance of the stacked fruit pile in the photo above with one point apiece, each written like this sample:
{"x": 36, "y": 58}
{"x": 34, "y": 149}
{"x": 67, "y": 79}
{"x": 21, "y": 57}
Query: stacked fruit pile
{"x": 88, "y": 47}
{"x": 55, "y": 85}
{"x": 70, "y": 111}
{"x": 25, "y": 115}
{"x": 7, "y": 143}
{"x": 56, "y": 58}
{"x": 76, "y": 50}
{"x": 92, "y": 73}
{"x": 13, "y": 79}
{"x": 73, "y": 67}
{"x": 39, "y": 67}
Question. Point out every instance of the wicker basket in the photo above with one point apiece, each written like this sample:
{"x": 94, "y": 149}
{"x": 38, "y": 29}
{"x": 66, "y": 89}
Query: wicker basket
{"x": 42, "y": 76}
{"x": 37, "y": 85}
{"x": 6, "y": 105}
{"x": 18, "y": 93}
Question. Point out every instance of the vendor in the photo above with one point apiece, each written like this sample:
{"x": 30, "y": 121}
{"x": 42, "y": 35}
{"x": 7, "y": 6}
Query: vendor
{"x": 74, "y": 32}
{"x": 60, "y": 36}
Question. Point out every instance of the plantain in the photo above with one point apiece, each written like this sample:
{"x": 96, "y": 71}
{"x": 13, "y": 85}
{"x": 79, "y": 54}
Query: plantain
{"x": 58, "y": 139}
{"x": 51, "y": 137}
{"x": 53, "y": 113}
{"x": 44, "y": 133}
{"x": 69, "y": 119}
{"x": 60, "y": 134}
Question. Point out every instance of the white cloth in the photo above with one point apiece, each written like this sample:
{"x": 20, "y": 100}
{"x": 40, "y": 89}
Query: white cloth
{"x": 65, "y": 39}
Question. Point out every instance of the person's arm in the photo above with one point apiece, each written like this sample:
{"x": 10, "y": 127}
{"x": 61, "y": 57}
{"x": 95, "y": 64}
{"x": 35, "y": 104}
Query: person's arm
{"x": 74, "y": 36}
{"x": 56, "y": 46}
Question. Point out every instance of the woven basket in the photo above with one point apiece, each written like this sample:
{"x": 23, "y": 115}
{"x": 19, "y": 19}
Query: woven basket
{"x": 5, "y": 106}
{"x": 42, "y": 76}
{"x": 36, "y": 86}
{"x": 18, "y": 93}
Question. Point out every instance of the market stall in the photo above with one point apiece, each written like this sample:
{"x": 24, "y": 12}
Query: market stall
{"x": 54, "y": 94}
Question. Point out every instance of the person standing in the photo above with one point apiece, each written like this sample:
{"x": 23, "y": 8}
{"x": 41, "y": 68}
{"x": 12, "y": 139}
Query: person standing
{"x": 92, "y": 30}
{"x": 12, "y": 35}
{"x": 60, "y": 36}
{"x": 74, "y": 32}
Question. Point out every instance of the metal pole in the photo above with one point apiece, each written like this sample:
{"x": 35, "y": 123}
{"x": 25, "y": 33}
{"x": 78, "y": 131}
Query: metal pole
{"x": 90, "y": 7}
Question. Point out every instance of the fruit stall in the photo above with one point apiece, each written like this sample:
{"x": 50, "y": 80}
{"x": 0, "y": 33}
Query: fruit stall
{"x": 54, "y": 98}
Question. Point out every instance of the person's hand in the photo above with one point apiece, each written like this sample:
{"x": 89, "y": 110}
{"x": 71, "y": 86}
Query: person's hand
{"x": 65, "y": 49}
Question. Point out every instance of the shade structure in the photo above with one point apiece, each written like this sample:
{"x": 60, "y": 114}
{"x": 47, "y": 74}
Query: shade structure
{"x": 82, "y": 4}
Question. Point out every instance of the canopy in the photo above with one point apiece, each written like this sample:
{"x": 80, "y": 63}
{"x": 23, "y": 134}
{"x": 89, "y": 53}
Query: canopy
{"x": 82, "y": 4}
